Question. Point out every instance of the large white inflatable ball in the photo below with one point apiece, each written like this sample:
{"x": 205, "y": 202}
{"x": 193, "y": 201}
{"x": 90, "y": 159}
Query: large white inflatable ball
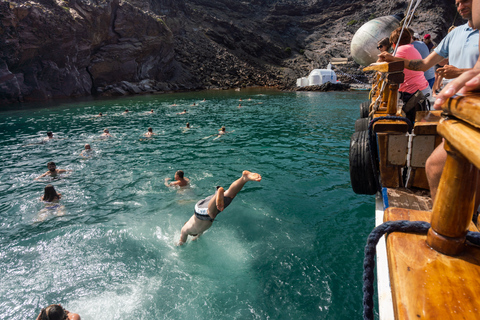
{"x": 364, "y": 43}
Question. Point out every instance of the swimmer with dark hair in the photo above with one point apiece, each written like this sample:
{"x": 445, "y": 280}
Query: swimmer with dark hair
{"x": 50, "y": 194}
{"x": 52, "y": 170}
{"x": 57, "y": 312}
{"x": 181, "y": 181}
{"x": 206, "y": 210}
{"x": 149, "y": 133}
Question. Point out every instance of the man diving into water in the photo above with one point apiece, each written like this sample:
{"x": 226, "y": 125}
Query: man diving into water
{"x": 206, "y": 210}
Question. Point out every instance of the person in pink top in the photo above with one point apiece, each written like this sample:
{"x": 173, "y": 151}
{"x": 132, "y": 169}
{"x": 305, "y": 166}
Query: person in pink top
{"x": 414, "y": 80}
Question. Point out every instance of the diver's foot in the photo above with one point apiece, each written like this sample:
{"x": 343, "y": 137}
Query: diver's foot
{"x": 251, "y": 176}
{"x": 220, "y": 199}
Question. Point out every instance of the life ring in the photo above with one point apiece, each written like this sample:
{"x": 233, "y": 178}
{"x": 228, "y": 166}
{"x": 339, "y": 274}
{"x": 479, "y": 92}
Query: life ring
{"x": 361, "y": 170}
{"x": 364, "y": 109}
{"x": 362, "y": 124}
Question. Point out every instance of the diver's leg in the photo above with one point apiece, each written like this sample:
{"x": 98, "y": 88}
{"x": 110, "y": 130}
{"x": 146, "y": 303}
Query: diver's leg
{"x": 238, "y": 184}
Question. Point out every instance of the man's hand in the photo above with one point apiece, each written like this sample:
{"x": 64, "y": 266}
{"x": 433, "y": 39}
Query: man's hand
{"x": 449, "y": 71}
{"x": 385, "y": 56}
{"x": 467, "y": 82}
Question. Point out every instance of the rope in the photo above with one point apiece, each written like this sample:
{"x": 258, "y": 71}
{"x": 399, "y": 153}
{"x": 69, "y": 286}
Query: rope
{"x": 420, "y": 227}
{"x": 406, "y": 22}
{"x": 370, "y": 251}
{"x": 371, "y": 142}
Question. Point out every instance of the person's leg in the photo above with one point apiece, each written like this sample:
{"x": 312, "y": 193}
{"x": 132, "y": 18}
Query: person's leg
{"x": 238, "y": 184}
{"x": 434, "y": 168}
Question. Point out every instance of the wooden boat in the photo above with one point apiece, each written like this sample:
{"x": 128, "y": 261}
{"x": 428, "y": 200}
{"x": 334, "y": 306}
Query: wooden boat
{"x": 421, "y": 276}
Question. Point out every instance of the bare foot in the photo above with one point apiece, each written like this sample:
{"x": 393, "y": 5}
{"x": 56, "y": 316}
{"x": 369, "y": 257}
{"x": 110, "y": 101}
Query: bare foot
{"x": 251, "y": 176}
{"x": 220, "y": 199}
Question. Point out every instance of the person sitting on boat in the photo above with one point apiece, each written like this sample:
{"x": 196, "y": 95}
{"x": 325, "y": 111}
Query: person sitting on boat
{"x": 57, "y": 312}
{"x": 414, "y": 80}
{"x": 206, "y": 210}
{"x": 52, "y": 170}
{"x": 384, "y": 45}
{"x": 427, "y": 40}
{"x": 460, "y": 46}
{"x": 181, "y": 181}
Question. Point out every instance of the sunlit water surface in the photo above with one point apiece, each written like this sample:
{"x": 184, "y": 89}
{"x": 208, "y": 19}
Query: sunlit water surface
{"x": 289, "y": 247}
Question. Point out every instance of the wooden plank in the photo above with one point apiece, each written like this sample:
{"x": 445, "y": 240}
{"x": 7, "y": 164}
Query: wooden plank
{"x": 386, "y": 66}
{"x": 426, "y": 284}
{"x": 389, "y": 125}
{"x": 390, "y": 175}
{"x": 426, "y": 122}
{"x": 466, "y": 107}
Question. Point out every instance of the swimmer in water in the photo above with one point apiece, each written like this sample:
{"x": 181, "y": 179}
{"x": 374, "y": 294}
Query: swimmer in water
{"x": 52, "y": 170}
{"x": 106, "y": 134}
{"x": 188, "y": 125}
{"x": 149, "y": 133}
{"x": 222, "y": 130}
{"x": 206, "y": 210}
{"x": 184, "y": 112}
{"x": 87, "y": 152}
{"x": 57, "y": 312}
{"x": 126, "y": 111}
{"x": 151, "y": 111}
{"x": 181, "y": 181}
{"x": 50, "y": 195}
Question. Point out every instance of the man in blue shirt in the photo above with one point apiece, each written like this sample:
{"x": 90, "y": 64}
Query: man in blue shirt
{"x": 460, "y": 47}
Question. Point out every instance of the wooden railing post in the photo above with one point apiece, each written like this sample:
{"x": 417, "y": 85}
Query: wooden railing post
{"x": 454, "y": 204}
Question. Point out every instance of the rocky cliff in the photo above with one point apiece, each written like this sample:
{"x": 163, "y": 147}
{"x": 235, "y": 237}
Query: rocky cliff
{"x": 67, "y": 48}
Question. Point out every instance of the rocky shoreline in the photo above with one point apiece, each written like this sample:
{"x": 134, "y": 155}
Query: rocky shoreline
{"x": 54, "y": 49}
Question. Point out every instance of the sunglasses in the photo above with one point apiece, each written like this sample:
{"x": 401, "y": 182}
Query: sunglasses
{"x": 379, "y": 47}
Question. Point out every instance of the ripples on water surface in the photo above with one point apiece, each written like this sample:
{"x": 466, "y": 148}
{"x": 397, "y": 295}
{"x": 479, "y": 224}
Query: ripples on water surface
{"x": 289, "y": 247}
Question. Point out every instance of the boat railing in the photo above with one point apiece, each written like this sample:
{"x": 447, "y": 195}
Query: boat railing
{"x": 435, "y": 275}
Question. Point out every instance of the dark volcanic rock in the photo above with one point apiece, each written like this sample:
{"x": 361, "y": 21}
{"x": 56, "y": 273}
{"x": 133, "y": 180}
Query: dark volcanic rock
{"x": 326, "y": 87}
{"x": 67, "y": 48}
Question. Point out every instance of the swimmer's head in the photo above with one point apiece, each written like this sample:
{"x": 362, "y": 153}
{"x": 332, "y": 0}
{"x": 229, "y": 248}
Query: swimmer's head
{"x": 150, "y": 129}
{"x": 50, "y": 134}
{"x": 188, "y": 125}
{"x": 87, "y": 147}
{"x": 49, "y": 193}
{"x": 105, "y": 131}
{"x": 223, "y": 128}
{"x": 126, "y": 110}
{"x": 179, "y": 174}
{"x": 100, "y": 114}
{"x": 53, "y": 312}
{"x": 51, "y": 166}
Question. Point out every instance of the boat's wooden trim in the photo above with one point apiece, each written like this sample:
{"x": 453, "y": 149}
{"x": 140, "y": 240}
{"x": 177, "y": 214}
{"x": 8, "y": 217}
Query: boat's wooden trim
{"x": 465, "y": 107}
{"x": 396, "y": 66}
{"x": 427, "y": 284}
{"x": 462, "y": 137}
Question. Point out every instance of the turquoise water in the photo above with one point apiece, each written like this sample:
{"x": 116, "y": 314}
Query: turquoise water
{"x": 288, "y": 247}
